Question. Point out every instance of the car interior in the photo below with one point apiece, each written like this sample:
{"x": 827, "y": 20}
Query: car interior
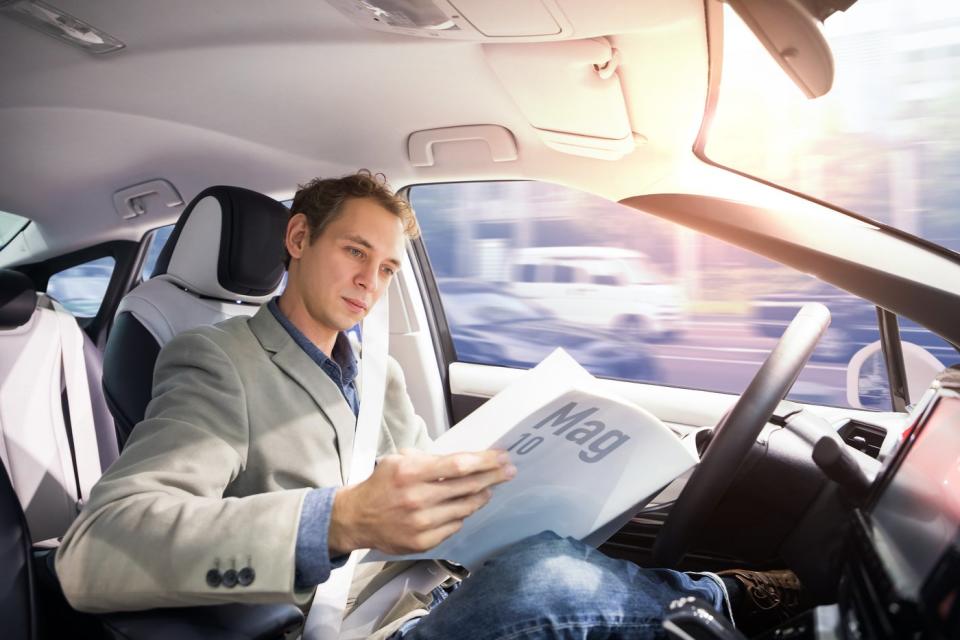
{"x": 778, "y": 285}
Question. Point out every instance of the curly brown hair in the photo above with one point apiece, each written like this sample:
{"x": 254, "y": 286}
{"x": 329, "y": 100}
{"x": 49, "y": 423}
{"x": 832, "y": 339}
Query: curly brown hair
{"x": 321, "y": 201}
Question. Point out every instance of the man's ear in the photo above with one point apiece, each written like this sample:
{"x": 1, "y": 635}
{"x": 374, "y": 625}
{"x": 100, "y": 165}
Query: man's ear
{"x": 298, "y": 235}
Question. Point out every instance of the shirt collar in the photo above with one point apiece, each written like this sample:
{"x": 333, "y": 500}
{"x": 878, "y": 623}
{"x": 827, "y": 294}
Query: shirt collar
{"x": 343, "y": 355}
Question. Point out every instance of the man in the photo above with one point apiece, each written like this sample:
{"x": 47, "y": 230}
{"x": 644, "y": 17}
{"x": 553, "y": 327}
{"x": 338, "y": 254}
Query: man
{"x": 231, "y": 489}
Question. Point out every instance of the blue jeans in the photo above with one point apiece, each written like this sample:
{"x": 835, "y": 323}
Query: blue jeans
{"x": 555, "y": 588}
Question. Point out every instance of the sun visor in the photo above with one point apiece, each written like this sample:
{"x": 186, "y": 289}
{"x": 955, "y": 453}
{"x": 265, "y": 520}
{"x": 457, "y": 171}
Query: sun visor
{"x": 569, "y": 92}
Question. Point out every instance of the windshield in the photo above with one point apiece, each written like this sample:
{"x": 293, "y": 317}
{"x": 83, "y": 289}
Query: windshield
{"x": 882, "y": 143}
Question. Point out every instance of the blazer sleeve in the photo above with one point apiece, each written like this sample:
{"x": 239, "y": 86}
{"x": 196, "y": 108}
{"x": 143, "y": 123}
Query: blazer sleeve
{"x": 157, "y": 530}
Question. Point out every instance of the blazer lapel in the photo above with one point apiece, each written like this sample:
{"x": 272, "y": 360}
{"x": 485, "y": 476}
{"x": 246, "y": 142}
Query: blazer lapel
{"x": 292, "y": 360}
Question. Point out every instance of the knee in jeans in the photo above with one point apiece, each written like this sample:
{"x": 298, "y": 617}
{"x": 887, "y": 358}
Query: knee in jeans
{"x": 556, "y": 568}
{"x": 527, "y": 554}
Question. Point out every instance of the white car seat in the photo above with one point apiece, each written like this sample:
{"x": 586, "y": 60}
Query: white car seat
{"x": 224, "y": 258}
{"x": 55, "y": 432}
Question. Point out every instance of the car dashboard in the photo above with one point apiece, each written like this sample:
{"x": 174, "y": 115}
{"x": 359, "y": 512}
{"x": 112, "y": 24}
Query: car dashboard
{"x": 901, "y": 574}
{"x": 903, "y": 578}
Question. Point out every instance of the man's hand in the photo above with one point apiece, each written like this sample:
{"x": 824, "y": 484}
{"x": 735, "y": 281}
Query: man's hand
{"x": 413, "y": 501}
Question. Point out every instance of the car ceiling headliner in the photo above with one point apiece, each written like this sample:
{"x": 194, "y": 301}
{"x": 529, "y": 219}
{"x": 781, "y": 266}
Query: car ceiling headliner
{"x": 264, "y": 95}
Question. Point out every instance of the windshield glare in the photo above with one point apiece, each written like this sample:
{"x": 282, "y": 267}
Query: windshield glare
{"x": 882, "y": 143}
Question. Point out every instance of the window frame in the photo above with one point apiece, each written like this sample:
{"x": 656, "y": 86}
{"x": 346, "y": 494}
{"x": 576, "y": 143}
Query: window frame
{"x": 440, "y": 333}
{"x": 141, "y": 260}
{"x": 123, "y": 252}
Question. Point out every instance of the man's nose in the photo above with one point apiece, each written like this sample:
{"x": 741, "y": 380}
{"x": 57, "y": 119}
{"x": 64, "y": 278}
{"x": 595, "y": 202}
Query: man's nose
{"x": 367, "y": 278}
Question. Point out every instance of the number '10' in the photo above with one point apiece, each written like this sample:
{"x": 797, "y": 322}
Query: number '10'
{"x": 525, "y": 444}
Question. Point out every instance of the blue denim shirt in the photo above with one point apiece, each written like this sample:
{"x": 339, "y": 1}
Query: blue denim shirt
{"x": 312, "y": 561}
{"x": 341, "y": 367}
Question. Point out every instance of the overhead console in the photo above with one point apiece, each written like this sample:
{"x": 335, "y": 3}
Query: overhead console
{"x": 504, "y": 20}
{"x": 460, "y": 19}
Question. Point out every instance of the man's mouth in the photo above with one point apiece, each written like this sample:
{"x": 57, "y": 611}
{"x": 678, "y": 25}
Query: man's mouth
{"x": 356, "y": 305}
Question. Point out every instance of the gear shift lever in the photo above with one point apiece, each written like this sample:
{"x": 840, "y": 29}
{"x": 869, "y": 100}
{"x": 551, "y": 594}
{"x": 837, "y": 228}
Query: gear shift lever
{"x": 694, "y": 619}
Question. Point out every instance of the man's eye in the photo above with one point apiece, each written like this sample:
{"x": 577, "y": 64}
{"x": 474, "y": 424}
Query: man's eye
{"x": 356, "y": 253}
{"x": 389, "y": 271}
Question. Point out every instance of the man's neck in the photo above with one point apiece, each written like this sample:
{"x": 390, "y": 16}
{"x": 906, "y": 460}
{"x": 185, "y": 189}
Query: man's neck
{"x": 292, "y": 307}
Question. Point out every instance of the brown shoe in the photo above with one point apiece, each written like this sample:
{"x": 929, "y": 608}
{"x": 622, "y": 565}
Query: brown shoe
{"x": 765, "y": 590}
{"x": 769, "y": 597}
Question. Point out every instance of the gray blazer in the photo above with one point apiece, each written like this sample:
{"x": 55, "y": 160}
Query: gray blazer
{"x": 241, "y": 425}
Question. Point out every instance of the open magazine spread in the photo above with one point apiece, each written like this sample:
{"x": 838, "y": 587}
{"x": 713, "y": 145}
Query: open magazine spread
{"x": 586, "y": 461}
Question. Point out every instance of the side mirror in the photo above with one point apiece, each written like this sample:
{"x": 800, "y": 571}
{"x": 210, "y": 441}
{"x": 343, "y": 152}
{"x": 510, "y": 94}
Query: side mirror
{"x": 867, "y": 386}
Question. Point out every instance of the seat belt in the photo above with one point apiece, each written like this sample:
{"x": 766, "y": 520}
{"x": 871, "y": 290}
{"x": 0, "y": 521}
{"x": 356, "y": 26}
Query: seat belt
{"x": 330, "y": 601}
{"x": 86, "y": 453}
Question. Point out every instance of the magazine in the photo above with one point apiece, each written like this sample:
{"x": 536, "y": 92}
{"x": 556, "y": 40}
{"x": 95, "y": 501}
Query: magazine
{"x": 586, "y": 459}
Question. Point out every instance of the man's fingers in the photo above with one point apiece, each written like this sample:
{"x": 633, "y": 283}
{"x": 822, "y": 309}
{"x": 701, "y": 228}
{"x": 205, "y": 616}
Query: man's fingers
{"x": 417, "y": 466}
{"x": 451, "y": 510}
{"x": 440, "y": 522}
{"x": 458, "y": 465}
{"x": 431, "y": 495}
{"x": 452, "y": 488}
{"x": 436, "y": 536}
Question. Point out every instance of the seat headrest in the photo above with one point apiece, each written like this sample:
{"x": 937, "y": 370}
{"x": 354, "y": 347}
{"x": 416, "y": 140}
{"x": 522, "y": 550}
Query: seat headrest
{"x": 227, "y": 244}
{"x": 18, "y": 299}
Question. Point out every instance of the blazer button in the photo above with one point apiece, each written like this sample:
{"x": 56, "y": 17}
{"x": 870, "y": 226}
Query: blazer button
{"x": 230, "y": 578}
{"x": 246, "y": 576}
{"x": 214, "y": 579}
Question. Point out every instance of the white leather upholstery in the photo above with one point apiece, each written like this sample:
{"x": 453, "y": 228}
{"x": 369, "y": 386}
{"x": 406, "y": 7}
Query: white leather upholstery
{"x": 165, "y": 309}
{"x": 34, "y": 444}
{"x": 194, "y": 261}
{"x": 193, "y": 264}
{"x": 188, "y": 292}
{"x": 224, "y": 258}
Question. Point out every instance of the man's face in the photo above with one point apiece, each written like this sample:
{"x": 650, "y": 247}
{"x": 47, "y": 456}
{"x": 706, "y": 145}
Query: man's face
{"x": 342, "y": 274}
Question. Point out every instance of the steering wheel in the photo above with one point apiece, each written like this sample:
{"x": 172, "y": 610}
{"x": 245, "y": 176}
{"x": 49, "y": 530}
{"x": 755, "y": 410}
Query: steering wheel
{"x": 736, "y": 433}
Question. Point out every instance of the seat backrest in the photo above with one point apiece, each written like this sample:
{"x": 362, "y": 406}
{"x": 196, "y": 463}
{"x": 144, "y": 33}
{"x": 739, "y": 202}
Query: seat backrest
{"x": 224, "y": 258}
{"x": 17, "y": 604}
{"x": 49, "y": 380}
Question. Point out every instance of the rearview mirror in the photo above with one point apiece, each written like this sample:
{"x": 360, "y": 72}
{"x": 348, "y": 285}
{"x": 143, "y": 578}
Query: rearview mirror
{"x": 791, "y": 33}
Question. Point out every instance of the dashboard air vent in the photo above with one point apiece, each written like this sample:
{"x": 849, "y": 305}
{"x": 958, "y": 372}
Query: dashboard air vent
{"x": 867, "y": 438}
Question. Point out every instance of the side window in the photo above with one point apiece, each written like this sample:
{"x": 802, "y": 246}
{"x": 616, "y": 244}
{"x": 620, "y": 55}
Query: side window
{"x": 80, "y": 289}
{"x": 564, "y": 274}
{"x": 159, "y": 238}
{"x": 605, "y": 279}
{"x": 666, "y": 305}
{"x": 525, "y": 273}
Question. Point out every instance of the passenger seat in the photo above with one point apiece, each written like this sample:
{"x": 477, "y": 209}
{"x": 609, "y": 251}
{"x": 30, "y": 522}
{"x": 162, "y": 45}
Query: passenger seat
{"x": 56, "y": 434}
{"x": 223, "y": 259}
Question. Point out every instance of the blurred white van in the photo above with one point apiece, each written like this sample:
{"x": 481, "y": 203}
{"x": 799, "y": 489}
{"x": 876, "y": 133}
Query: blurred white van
{"x": 608, "y": 287}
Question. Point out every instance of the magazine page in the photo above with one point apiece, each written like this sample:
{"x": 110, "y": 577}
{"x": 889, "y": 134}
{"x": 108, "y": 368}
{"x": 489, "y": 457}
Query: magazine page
{"x": 585, "y": 460}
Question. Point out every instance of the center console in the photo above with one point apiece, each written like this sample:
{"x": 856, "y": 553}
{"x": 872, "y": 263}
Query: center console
{"x": 901, "y": 573}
